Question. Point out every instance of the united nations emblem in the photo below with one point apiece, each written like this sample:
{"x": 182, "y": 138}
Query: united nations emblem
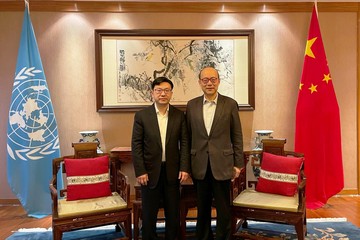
{"x": 32, "y": 128}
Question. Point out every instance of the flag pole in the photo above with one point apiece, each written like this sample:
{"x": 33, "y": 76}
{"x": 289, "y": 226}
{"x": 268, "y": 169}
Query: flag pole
{"x": 27, "y": 6}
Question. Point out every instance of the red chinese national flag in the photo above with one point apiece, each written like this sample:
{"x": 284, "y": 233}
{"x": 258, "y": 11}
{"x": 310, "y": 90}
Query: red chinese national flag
{"x": 318, "y": 133}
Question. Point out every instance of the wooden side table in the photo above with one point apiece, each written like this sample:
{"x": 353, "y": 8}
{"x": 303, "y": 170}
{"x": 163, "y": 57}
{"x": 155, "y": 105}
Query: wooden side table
{"x": 123, "y": 154}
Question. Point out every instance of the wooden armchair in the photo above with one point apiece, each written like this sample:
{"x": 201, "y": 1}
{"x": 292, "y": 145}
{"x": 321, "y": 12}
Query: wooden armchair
{"x": 259, "y": 206}
{"x": 87, "y": 213}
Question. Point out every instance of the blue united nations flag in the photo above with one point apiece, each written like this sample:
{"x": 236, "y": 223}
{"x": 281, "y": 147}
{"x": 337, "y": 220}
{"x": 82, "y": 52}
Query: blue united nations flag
{"x": 32, "y": 135}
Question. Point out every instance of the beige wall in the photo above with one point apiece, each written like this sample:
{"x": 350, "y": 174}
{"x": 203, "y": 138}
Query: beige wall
{"x": 66, "y": 43}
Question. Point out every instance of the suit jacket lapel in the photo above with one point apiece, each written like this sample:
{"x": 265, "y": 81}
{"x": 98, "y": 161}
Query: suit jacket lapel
{"x": 200, "y": 107}
{"x": 154, "y": 122}
{"x": 170, "y": 124}
{"x": 218, "y": 112}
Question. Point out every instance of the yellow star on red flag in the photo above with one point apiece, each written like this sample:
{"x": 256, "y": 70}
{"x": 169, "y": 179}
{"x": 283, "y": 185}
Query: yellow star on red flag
{"x": 300, "y": 86}
{"x": 308, "y": 51}
{"x": 313, "y": 88}
{"x": 327, "y": 78}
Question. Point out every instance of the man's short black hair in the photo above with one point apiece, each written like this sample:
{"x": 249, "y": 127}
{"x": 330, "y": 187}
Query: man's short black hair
{"x": 159, "y": 80}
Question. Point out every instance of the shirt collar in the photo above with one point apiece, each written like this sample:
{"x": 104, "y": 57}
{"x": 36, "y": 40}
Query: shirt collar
{"x": 157, "y": 110}
{"x": 214, "y": 101}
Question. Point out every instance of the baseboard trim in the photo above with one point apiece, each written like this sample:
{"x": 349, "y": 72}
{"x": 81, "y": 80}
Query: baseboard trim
{"x": 349, "y": 191}
{"x": 9, "y": 201}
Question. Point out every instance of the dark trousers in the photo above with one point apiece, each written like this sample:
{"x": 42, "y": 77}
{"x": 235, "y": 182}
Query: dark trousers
{"x": 207, "y": 189}
{"x": 167, "y": 195}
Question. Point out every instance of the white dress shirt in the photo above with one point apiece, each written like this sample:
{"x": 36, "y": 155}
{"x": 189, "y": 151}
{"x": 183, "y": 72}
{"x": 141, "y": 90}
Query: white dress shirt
{"x": 209, "y": 107}
{"x": 162, "y": 121}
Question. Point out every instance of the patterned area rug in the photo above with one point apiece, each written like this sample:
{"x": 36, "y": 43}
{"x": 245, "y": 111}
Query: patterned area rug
{"x": 331, "y": 229}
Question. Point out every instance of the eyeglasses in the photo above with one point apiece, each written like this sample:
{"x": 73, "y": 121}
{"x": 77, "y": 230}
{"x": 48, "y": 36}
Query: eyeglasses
{"x": 206, "y": 80}
{"x": 160, "y": 90}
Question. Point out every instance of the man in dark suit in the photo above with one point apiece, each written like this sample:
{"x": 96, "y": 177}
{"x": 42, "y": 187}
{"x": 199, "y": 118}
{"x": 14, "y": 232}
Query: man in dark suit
{"x": 216, "y": 153}
{"x": 160, "y": 154}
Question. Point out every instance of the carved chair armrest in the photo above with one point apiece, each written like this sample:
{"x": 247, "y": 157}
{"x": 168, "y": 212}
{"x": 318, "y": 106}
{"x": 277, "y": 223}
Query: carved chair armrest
{"x": 301, "y": 190}
{"x": 242, "y": 180}
{"x": 302, "y": 184}
{"x": 122, "y": 186}
{"x": 54, "y": 195}
{"x": 238, "y": 184}
{"x": 301, "y": 196}
{"x": 53, "y": 188}
{"x": 234, "y": 188}
{"x": 119, "y": 181}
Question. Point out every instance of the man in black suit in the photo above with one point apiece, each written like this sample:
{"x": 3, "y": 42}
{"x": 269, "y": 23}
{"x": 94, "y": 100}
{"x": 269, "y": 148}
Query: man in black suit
{"x": 216, "y": 153}
{"x": 161, "y": 159}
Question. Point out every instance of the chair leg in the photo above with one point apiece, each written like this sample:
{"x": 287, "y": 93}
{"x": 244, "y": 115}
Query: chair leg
{"x": 245, "y": 224}
{"x": 137, "y": 209}
{"x": 233, "y": 225}
{"x": 236, "y": 224}
{"x": 128, "y": 227}
{"x": 57, "y": 233}
{"x": 304, "y": 223}
{"x": 118, "y": 227}
{"x": 299, "y": 227}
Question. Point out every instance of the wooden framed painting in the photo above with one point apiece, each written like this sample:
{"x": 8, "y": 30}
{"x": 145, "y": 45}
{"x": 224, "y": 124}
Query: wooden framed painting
{"x": 127, "y": 61}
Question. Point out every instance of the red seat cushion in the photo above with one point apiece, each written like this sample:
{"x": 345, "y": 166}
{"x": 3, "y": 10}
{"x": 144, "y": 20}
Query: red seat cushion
{"x": 279, "y": 174}
{"x": 87, "y": 177}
